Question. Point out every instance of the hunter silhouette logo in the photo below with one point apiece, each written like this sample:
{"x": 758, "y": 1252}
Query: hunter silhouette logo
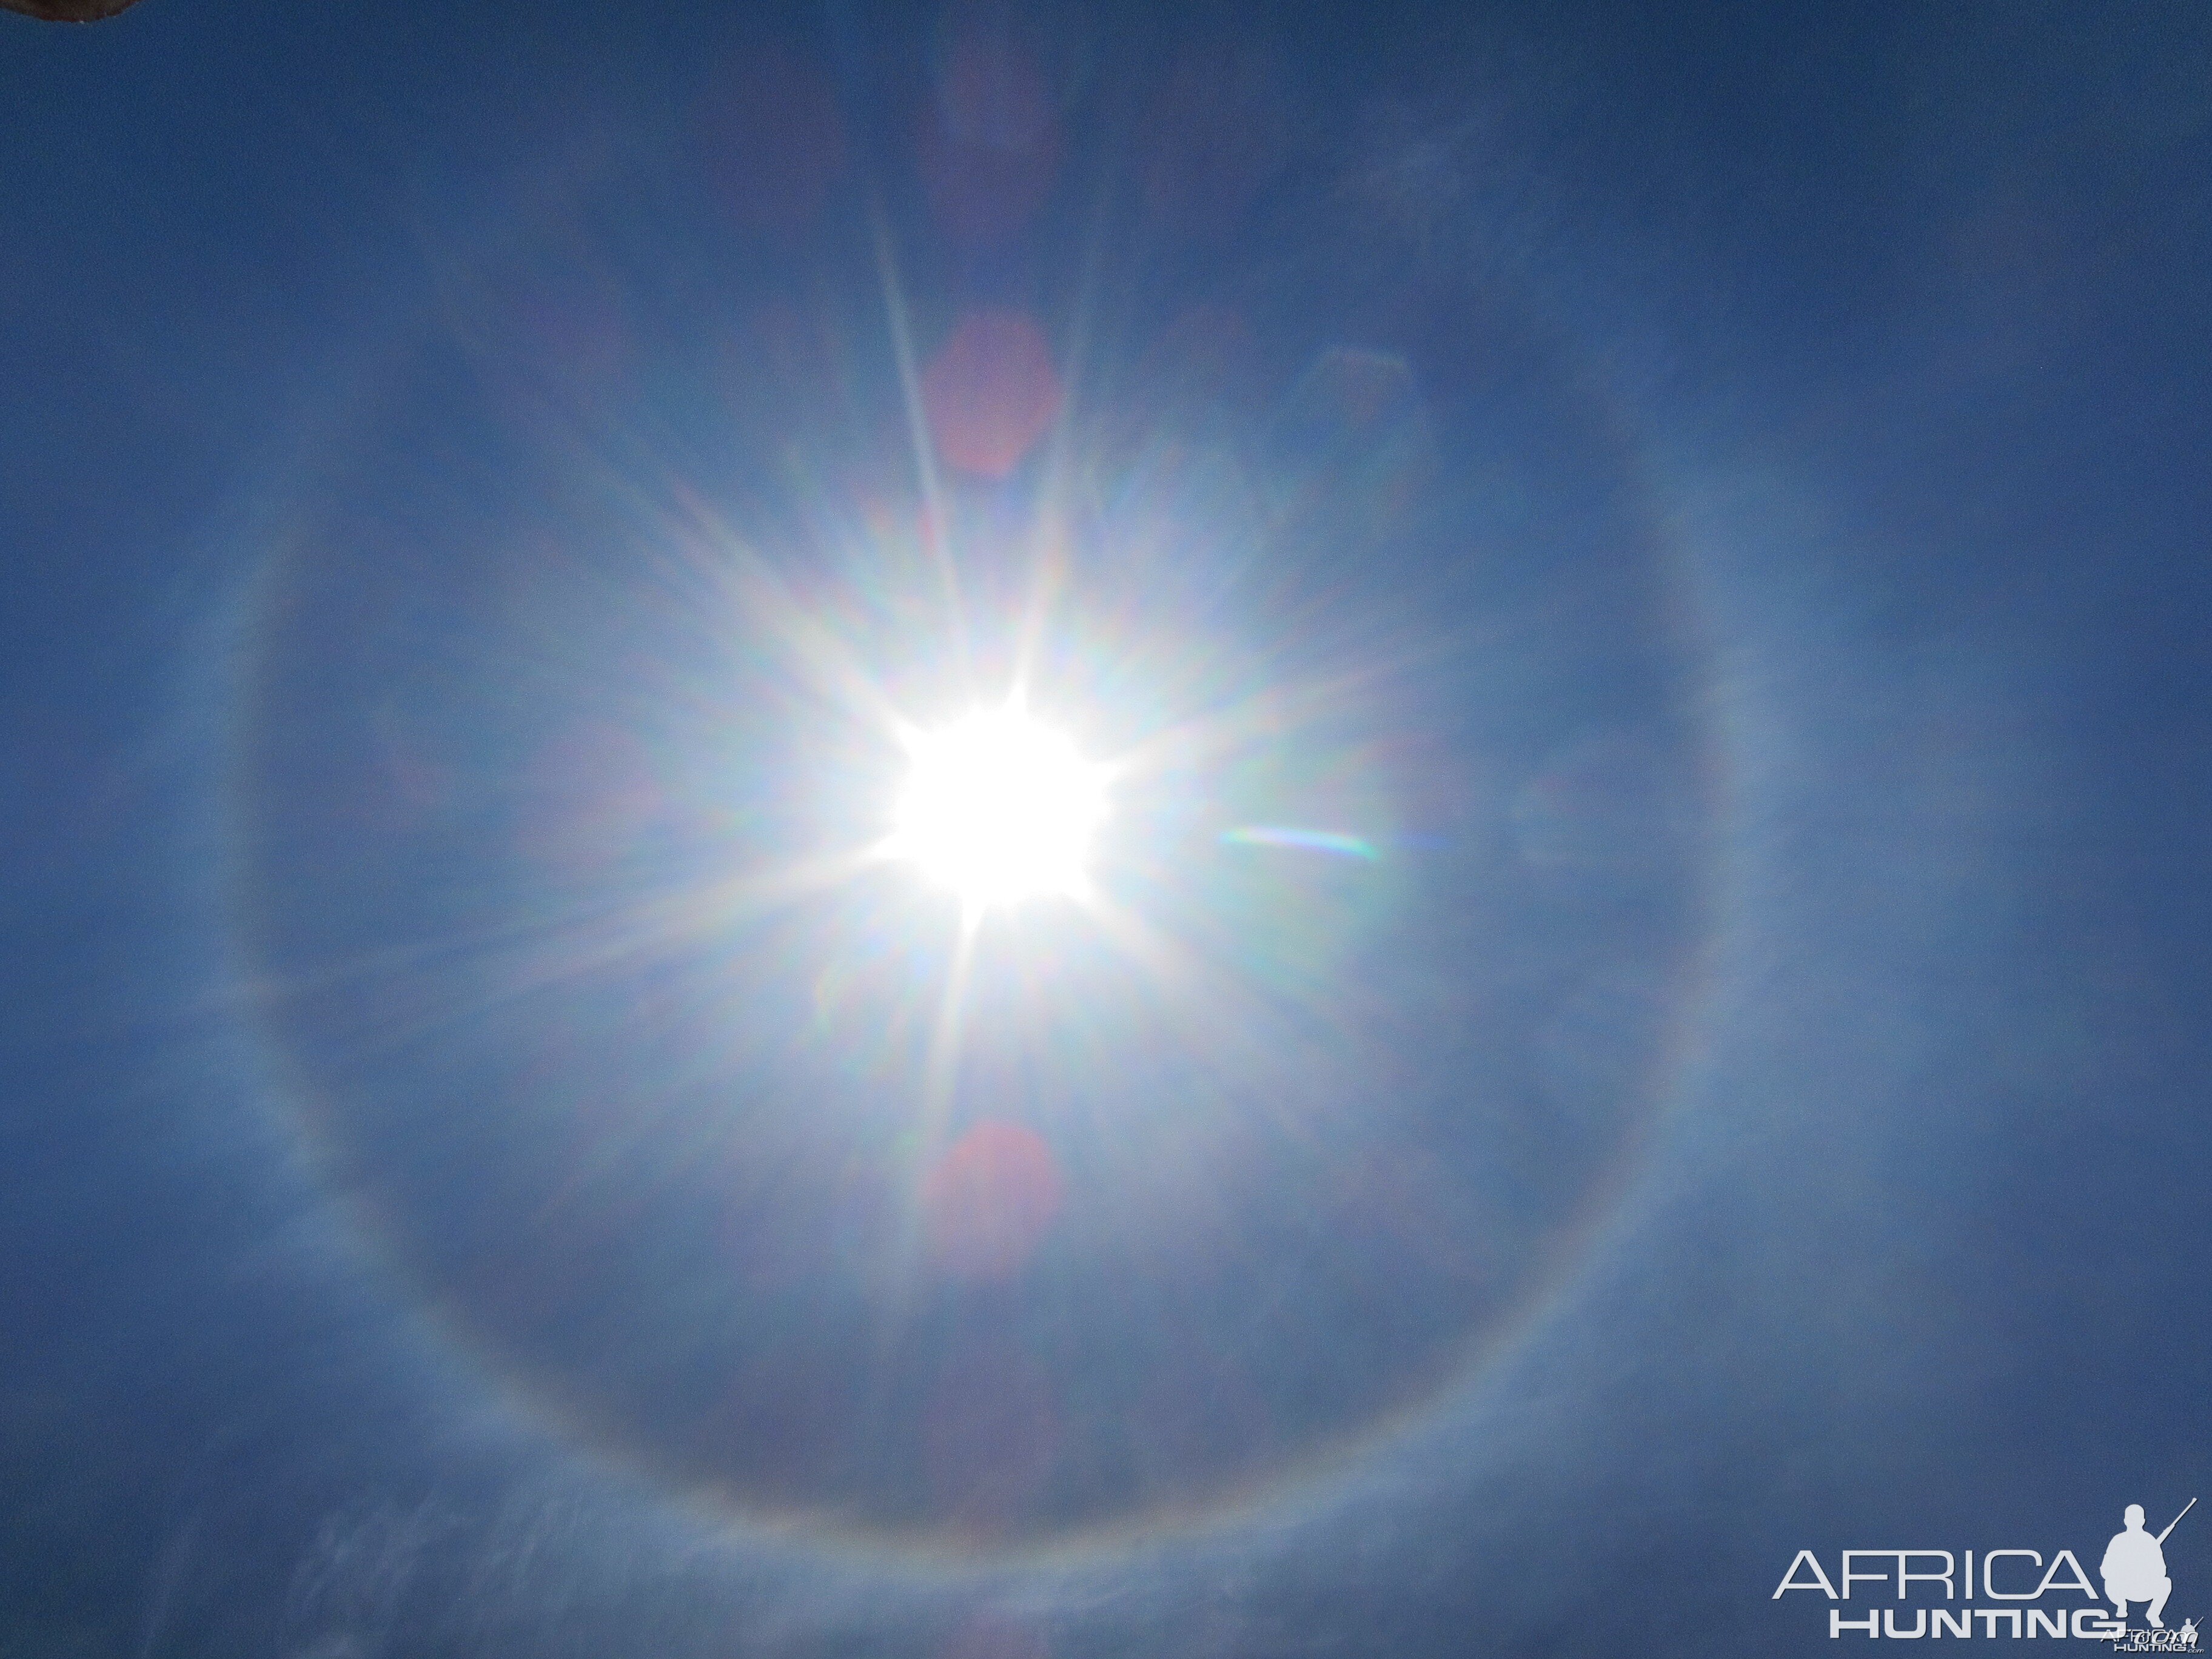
{"x": 2027, "y": 1590}
{"x": 2135, "y": 1566}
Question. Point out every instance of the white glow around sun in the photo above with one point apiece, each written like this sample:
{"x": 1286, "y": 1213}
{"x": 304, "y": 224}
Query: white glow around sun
{"x": 998, "y": 807}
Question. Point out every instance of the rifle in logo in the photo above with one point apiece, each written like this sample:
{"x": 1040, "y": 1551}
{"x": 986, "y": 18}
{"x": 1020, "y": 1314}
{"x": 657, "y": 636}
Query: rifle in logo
{"x": 2134, "y": 1567}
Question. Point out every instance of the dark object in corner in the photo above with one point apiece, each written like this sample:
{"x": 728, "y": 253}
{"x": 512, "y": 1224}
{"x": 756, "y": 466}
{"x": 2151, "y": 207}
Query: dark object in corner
{"x": 68, "y": 11}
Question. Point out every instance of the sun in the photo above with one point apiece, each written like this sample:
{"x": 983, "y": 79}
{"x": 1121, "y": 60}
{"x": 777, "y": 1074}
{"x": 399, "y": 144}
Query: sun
{"x": 998, "y": 807}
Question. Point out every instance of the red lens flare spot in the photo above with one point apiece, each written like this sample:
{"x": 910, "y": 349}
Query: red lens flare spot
{"x": 988, "y": 1202}
{"x": 990, "y": 392}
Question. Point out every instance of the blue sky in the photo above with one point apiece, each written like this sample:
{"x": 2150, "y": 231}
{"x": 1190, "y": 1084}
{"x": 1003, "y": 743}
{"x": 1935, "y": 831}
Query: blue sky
{"x": 1638, "y": 578}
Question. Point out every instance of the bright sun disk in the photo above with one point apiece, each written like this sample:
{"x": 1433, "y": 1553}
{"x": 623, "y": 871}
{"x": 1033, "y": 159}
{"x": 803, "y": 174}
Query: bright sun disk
{"x": 998, "y": 807}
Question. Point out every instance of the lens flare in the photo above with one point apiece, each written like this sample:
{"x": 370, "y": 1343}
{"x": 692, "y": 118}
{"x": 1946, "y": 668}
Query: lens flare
{"x": 1299, "y": 726}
